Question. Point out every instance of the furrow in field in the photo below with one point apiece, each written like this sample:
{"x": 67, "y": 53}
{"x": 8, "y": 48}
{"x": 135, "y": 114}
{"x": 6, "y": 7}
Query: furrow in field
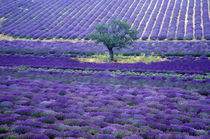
{"x": 186, "y": 19}
{"x": 202, "y": 18}
{"x": 194, "y": 19}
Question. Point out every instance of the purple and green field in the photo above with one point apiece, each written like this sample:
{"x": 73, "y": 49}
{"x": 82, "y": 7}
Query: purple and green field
{"x": 159, "y": 90}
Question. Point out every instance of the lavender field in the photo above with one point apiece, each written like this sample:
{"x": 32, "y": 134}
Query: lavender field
{"x": 48, "y": 96}
{"x": 70, "y": 19}
{"x": 48, "y": 92}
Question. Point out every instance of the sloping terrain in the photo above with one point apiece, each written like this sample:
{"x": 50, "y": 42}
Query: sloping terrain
{"x": 69, "y": 19}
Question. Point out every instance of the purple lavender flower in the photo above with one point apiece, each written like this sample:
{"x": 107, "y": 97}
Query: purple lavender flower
{"x": 105, "y": 136}
{"x": 48, "y": 119}
{"x": 3, "y": 129}
{"x": 20, "y": 129}
{"x": 32, "y": 135}
{"x": 6, "y": 104}
{"x": 7, "y": 120}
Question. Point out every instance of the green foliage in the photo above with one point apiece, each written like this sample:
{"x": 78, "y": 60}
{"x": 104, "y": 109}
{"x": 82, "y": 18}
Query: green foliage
{"x": 119, "y": 135}
{"x": 7, "y": 112}
{"x": 130, "y": 103}
{"x": 4, "y": 129}
{"x": 92, "y": 131}
{"x": 116, "y": 34}
{"x": 119, "y": 58}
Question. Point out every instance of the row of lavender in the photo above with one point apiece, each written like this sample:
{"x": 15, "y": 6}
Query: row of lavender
{"x": 166, "y": 47}
{"x": 154, "y": 19}
{"x": 42, "y": 105}
{"x": 187, "y": 64}
{"x": 192, "y": 81}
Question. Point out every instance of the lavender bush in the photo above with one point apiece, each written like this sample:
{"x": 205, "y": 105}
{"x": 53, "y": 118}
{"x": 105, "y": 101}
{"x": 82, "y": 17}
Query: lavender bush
{"x": 110, "y": 107}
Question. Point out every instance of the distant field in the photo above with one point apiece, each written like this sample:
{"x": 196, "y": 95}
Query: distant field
{"x": 56, "y": 83}
{"x": 70, "y": 19}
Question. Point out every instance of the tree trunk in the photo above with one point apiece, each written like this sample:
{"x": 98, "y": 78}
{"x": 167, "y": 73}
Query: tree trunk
{"x": 111, "y": 56}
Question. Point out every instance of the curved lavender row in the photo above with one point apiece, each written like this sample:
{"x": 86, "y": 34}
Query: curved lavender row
{"x": 54, "y": 108}
{"x": 186, "y": 65}
{"x": 201, "y": 47}
{"x": 186, "y": 81}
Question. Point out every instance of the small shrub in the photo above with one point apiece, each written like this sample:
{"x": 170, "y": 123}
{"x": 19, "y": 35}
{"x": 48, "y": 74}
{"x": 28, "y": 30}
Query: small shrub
{"x": 145, "y": 130}
{"x": 73, "y": 133}
{"x": 7, "y": 104}
{"x": 92, "y": 131}
{"x": 130, "y": 103}
{"x": 51, "y": 133}
{"x": 24, "y": 111}
{"x": 48, "y": 119}
{"x": 7, "y": 112}
{"x": 105, "y": 136}
{"x": 20, "y": 129}
{"x": 60, "y": 116}
{"x": 11, "y": 136}
{"x": 119, "y": 135}
{"x": 61, "y": 128}
{"x": 7, "y": 120}
{"x": 207, "y": 37}
{"x": 34, "y": 136}
{"x": 3, "y": 129}
{"x": 144, "y": 37}
{"x": 62, "y": 92}
{"x": 28, "y": 96}
{"x": 37, "y": 113}
{"x": 161, "y": 37}
{"x": 76, "y": 122}
{"x": 189, "y": 37}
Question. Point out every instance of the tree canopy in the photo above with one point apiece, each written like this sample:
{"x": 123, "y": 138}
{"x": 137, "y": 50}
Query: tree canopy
{"x": 116, "y": 34}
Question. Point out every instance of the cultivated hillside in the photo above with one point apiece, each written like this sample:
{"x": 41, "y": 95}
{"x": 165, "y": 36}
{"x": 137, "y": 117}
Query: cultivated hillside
{"x": 155, "y": 19}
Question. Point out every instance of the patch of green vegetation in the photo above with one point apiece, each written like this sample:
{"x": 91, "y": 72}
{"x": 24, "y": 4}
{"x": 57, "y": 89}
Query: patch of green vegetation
{"x": 118, "y": 72}
{"x": 32, "y": 104}
{"x": 22, "y": 68}
{"x": 92, "y": 131}
{"x": 104, "y": 58}
{"x": 4, "y": 129}
{"x": 28, "y": 96}
{"x": 144, "y": 130}
{"x": 61, "y": 128}
{"x": 119, "y": 135}
{"x": 131, "y": 119}
{"x": 130, "y": 103}
{"x": 7, "y": 112}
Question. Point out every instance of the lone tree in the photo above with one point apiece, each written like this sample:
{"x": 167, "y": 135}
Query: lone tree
{"x": 116, "y": 34}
